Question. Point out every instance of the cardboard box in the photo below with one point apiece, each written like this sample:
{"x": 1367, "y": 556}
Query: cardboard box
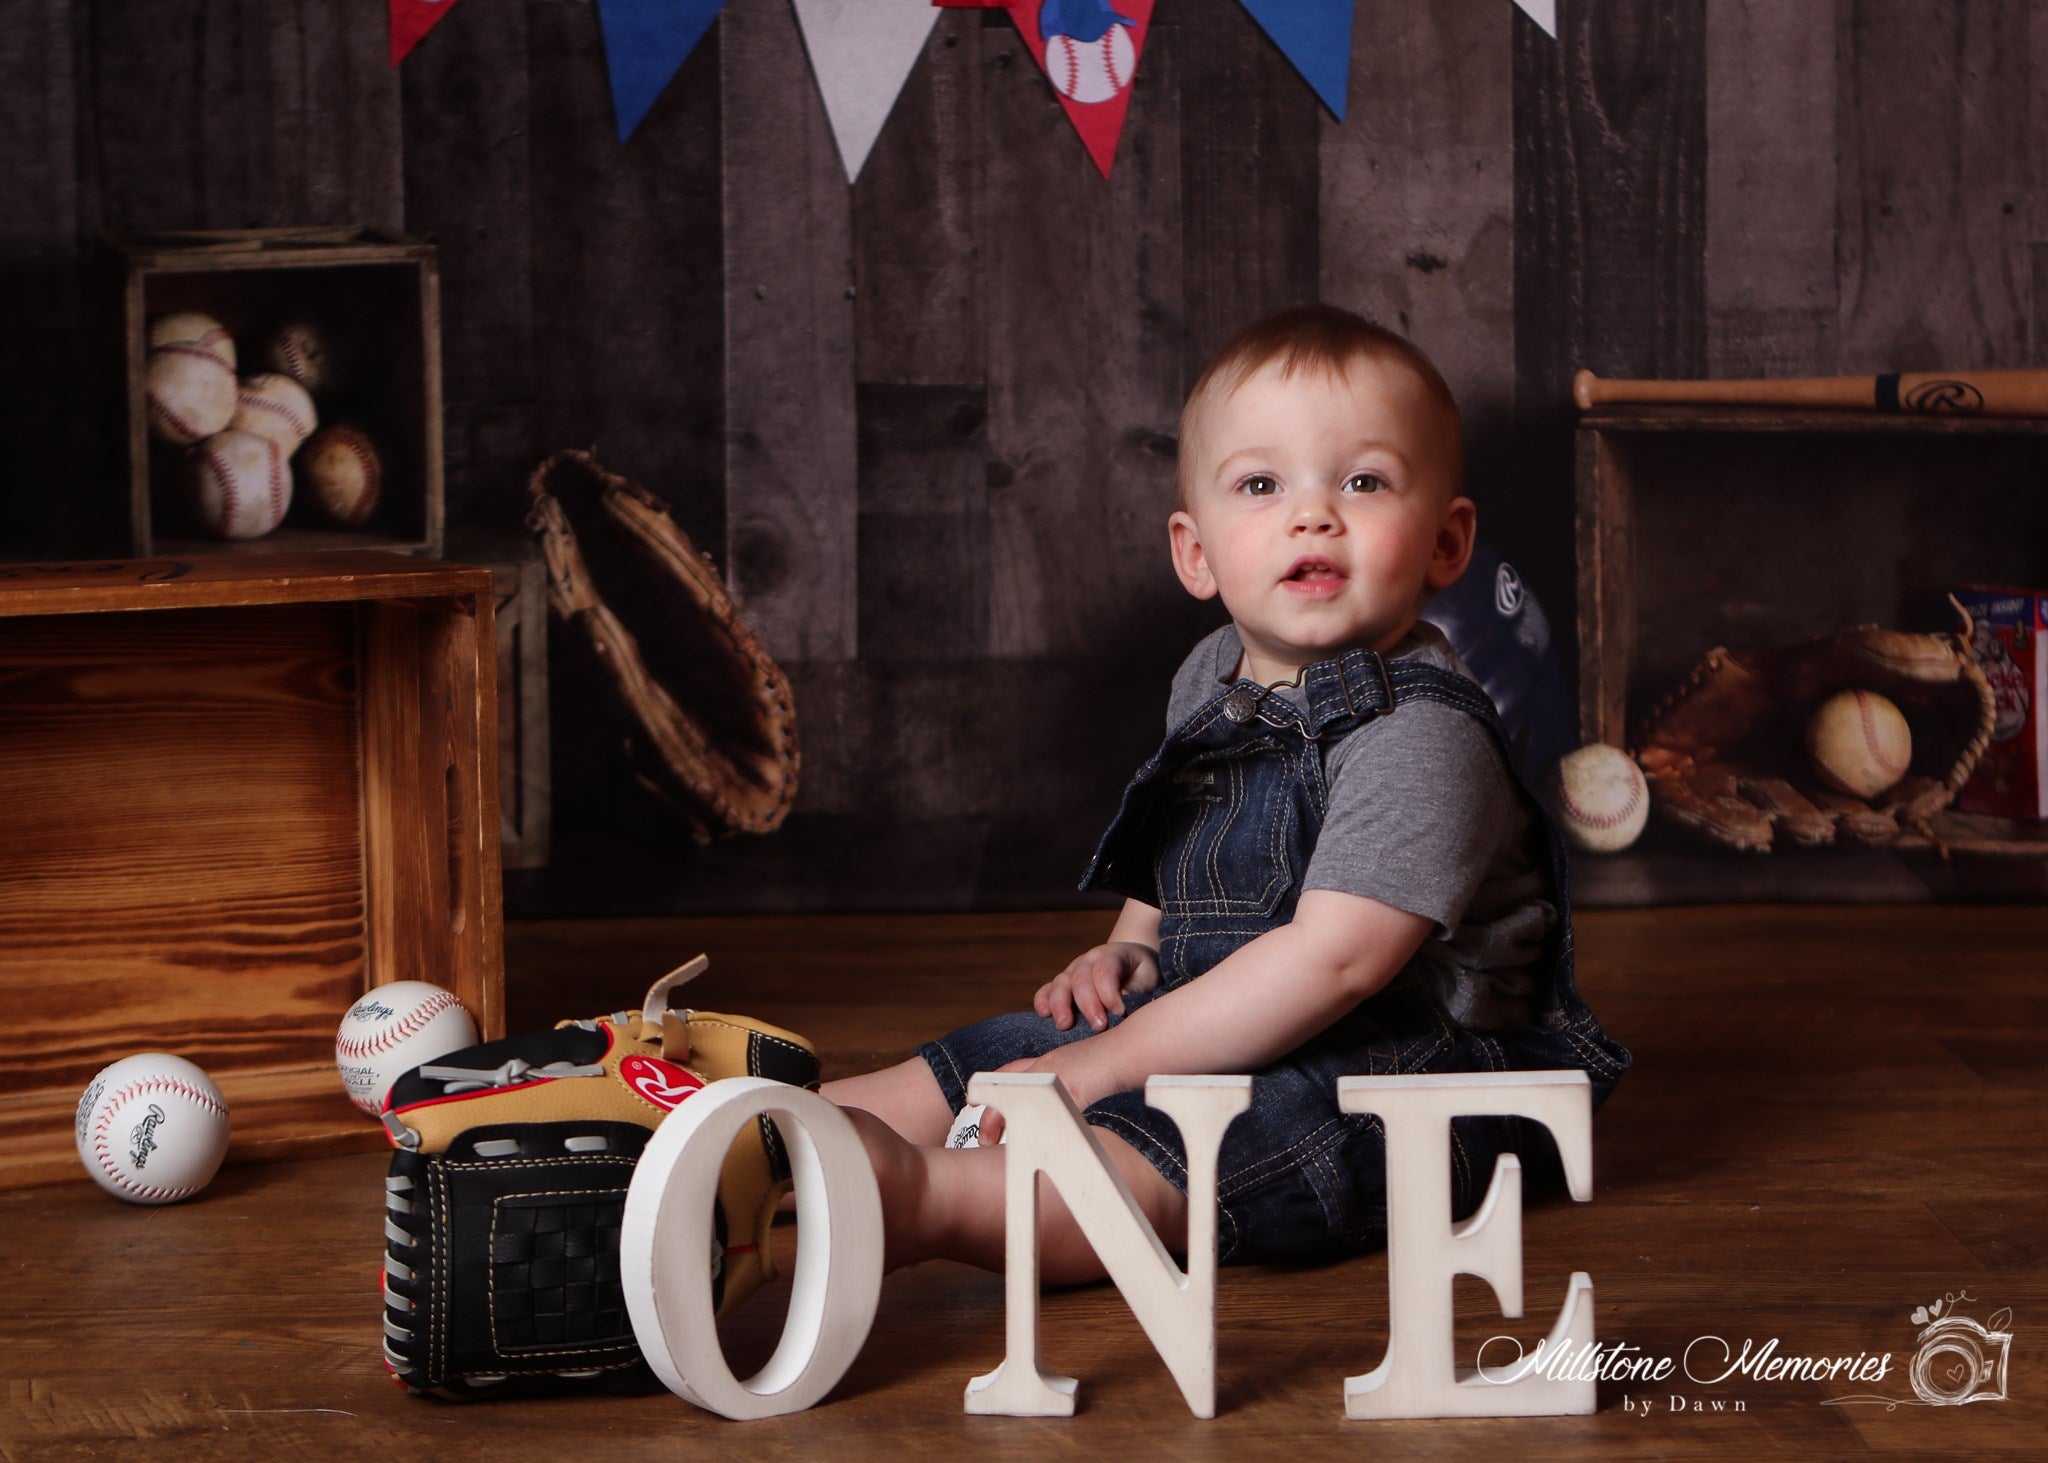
{"x": 238, "y": 793}
{"x": 2011, "y": 779}
{"x": 375, "y": 298}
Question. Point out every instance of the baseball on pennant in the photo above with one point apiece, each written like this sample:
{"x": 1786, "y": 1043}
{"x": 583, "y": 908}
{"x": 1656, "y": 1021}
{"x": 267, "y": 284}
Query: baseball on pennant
{"x": 241, "y": 484}
{"x": 1091, "y": 71}
{"x": 277, "y": 407}
{"x": 191, "y": 328}
{"x": 343, "y": 475}
{"x": 1602, "y": 799}
{"x": 191, "y": 393}
{"x": 1859, "y": 743}
{"x": 152, "y": 1128}
{"x": 393, "y": 1029}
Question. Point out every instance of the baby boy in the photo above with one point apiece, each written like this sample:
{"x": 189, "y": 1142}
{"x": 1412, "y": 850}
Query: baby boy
{"x": 1329, "y": 867}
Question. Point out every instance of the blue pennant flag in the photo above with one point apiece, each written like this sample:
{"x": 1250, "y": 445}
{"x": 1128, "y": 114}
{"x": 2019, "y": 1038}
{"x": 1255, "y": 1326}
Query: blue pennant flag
{"x": 1316, "y": 36}
{"x": 645, "y": 43}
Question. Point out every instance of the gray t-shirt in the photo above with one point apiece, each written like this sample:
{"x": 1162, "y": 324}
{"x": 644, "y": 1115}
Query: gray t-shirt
{"x": 1422, "y": 814}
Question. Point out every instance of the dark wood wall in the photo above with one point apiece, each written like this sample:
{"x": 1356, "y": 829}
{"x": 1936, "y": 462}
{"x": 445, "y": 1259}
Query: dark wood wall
{"x": 926, "y": 424}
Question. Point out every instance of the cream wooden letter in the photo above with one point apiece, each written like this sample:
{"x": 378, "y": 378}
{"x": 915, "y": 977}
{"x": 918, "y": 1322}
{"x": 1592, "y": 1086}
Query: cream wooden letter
{"x": 666, "y": 1246}
{"x": 1425, "y": 1251}
{"x": 1045, "y": 1134}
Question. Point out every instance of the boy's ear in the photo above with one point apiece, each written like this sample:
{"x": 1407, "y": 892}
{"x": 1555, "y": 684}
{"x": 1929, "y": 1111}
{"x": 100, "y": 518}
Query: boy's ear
{"x": 1452, "y": 551}
{"x": 1189, "y": 560}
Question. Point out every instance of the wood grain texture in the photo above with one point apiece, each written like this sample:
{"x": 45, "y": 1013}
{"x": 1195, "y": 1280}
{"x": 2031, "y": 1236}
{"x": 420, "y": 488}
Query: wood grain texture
{"x": 923, "y": 526}
{"x": 1085, "y": 357}
{"x": 1772, "y": 287}
{"x": 627, "y": 301}
{"x": 917, "y": 223}
{"x": 1934, "y": 198}
{"x": 1781, "y": 1162}
{"x": 1417, "y": 214}
{"x": 468, "y": 189}
{"x": 1250, "y": 242}
{"x": 237, "y": 114}
{"x": 791, "y": 474}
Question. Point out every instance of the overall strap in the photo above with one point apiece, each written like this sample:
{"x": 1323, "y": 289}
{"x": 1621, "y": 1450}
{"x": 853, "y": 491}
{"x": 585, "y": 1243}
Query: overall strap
{"x": 1351, "y": 689}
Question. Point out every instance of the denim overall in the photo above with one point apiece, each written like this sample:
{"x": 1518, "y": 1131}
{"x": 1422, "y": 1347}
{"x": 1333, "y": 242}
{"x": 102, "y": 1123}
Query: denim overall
{"x": 1216, "y": 831}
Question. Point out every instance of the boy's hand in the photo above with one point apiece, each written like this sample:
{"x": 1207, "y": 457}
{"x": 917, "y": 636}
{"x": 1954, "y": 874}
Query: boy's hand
{"x": 1093, "y": 984}
{"x": 1083, "y": 1069}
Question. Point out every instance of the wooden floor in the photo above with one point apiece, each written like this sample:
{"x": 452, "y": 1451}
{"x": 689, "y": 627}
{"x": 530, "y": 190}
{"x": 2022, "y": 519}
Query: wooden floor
{"x": 1837, "y": 1117}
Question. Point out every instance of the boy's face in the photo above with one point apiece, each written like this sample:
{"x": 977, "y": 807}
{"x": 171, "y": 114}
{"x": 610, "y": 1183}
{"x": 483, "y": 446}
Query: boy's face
{"x": 1320, "y": 507}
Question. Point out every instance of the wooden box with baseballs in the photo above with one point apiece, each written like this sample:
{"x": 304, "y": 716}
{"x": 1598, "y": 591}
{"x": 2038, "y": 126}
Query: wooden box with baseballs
{"x": 1704, "y": 522}
{"x": 282, "y": 391}
{"x": 241, "y": 795}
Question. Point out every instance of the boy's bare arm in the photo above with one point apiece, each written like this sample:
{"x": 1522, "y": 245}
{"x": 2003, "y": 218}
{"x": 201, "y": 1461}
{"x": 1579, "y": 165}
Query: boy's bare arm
{"x": 1267, "y": 998}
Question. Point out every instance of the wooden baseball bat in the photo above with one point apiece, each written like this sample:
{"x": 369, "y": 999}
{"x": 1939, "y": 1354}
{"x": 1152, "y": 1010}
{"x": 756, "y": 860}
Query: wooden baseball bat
{"x": 1929, "y": 393}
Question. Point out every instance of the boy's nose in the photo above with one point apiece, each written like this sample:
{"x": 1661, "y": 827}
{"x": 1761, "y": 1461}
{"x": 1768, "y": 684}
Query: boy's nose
{"x": 1315, "y": 513}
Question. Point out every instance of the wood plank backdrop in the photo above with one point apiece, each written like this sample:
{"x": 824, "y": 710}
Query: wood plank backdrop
{"x": 926, "y": 424}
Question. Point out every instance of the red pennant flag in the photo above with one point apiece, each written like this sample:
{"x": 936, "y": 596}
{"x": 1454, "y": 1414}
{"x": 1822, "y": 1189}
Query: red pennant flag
{"x": 412, "y": 19}
{"x": 1088, "y": 50}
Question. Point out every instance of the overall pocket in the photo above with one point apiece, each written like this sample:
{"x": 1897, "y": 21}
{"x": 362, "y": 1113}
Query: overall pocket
{"x": 1227, "y": 831}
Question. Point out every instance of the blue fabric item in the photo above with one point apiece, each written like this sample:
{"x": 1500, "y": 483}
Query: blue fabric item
{"x": 1500, "y": 631}
{"x": 1084, "y": 20}
{"x": 1316, "y": 36}
{"x": 645, "y": 43}
{"x": 1215, "y": 831}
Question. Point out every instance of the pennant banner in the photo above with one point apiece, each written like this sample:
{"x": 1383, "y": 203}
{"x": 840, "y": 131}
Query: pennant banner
{"x": 645, "y": 42}
{"x": 1543, "y": 12}
{"x": 412, "y": 19}
{"x": 861, "y": 53}
{"x": 1088, "y": 50}
{"x": 1316, "y": 36}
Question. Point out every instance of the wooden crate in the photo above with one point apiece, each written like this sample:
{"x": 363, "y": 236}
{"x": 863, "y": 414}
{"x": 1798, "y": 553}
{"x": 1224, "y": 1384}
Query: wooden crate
{"x": 1742, "y": 526}
{"x": 239, "y": 793}
{"x": 524, "y": 807}
{"x": 375, "y": 293}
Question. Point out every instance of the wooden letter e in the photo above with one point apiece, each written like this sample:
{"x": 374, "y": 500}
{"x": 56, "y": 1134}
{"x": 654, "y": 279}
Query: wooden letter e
{"x": 1425, "y": 1250}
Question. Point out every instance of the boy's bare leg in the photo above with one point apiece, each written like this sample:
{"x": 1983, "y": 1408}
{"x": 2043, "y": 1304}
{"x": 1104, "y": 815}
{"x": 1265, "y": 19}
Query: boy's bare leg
{"x": 905, "y": 1096}
{"x": 947, "y": 1204}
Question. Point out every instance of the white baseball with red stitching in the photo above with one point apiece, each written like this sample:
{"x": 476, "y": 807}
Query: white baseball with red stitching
{"x": 152, "y": 1129}
{"x": 190, "y": 327}
{"x": 344, "y": 476}
{"x": 276, "y": 407}
{"x": 241, "y": 484}
{"x": 1602, "y": 799}
{"x": 190, "y": 393}
{"x": 393, "y": 1029}
{"x": 1859, "y": 743}
{"x": 1091, "y": 71}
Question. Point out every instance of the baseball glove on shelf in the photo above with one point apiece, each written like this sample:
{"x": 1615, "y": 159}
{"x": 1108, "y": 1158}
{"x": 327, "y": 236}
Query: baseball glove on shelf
{"x": 1724, "y": 752}
{"x": 505, "y": 1198}
{"x": 708, "y": 712}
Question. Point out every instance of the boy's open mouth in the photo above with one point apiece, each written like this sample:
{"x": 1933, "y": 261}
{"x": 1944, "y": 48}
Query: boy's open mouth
{"x": 1314, "y": 576}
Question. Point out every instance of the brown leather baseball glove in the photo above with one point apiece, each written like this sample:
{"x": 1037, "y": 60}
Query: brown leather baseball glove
{"x": 709, "y": 712}
{"x": 1724, "y": 751}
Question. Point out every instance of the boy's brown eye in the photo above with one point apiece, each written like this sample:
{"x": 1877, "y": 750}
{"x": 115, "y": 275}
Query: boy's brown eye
{"x": 1259, "y": 486}
{"x": 1365, "y": 482}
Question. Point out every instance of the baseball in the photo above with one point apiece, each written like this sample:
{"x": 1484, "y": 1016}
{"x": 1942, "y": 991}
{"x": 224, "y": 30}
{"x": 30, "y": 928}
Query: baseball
{"x": 276, "y": 407}
{"x": 1602, "y": 800}
{"x": 190, "y": 328}
{"x": 393, "y": 1029}
{"x": 191, "y": 393}
{"x": 152, "y": 1129}
{"x": 1091, "y": 71}
{"x": 241, "y": 486}
{"x": 1859, "y": 743}
{"x": 300, "y": 350}
{"x": 343, "y": 475}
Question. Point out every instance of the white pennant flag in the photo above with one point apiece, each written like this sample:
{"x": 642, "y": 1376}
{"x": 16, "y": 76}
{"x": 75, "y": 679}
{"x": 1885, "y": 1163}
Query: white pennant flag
{"x": 861, "y": 53}
{"x": 1543, "y": 12}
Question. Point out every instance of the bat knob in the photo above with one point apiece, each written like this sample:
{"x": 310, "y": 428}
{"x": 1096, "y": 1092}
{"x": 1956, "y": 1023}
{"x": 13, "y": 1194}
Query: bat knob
{"x": 1582, "y": 389}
